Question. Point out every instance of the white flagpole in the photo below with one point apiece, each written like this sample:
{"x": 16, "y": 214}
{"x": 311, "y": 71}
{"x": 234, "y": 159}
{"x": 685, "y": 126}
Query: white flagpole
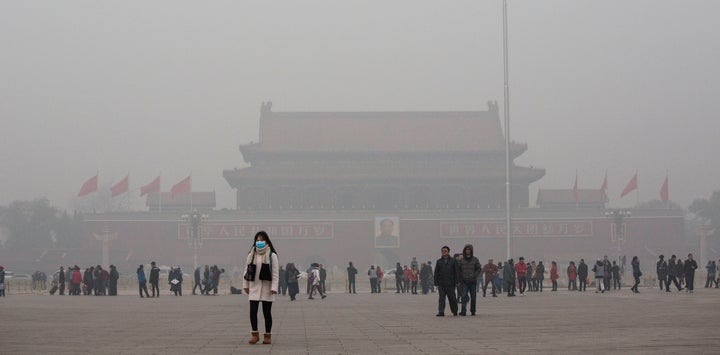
{"x": 506, "y": 112}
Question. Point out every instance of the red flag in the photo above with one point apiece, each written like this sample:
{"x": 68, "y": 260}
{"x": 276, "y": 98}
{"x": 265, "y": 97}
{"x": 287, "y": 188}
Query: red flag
{"x": 89, "y": 186}
{"x": 121, "y": 187}
{"x": 153, "y": 186}
{"x": 603, "y": 188}
{"x": 181, "y": 187}
{"x": 665, "y": 191}
{"x": 575, "y": 189}
{"x": 631, "y": 185}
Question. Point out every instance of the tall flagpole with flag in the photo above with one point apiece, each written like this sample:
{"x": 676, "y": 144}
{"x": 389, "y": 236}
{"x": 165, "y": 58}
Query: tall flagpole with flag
{"x": 182, "y": 187}
{"x": 665, "y": 191}
{"x": 153, "y": 188}
{"x": 631, "y": 185}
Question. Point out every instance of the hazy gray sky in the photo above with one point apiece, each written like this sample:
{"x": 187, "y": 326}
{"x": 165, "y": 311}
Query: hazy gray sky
{"x": 175, "y": 86}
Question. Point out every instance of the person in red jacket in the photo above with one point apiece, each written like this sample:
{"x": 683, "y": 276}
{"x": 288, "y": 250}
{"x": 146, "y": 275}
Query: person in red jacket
{"x": 76, "y": 280}
{"x": 554, "y": 275}
{"x": 406, "y": 279}
{"x": 521, "y": 269}
{"x": 572, "y": 277}
{"x": 414, "y": 280}
{"x": 380, "y": 275}
{"x": 489, "y": 271}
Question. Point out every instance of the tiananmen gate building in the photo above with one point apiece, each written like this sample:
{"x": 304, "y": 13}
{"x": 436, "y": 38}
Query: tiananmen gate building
{"x": 378, "y": 188}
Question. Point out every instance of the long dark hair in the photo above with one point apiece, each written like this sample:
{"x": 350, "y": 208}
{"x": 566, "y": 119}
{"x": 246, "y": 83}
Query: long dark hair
{"x": 267, "y": 240}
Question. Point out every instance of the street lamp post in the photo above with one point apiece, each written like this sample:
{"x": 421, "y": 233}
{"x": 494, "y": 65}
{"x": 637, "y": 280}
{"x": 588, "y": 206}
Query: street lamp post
{"x": 195, "y": 232}
{"x": 618, "y": 229}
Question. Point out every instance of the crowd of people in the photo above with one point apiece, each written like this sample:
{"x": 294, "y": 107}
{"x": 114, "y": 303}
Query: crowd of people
{"x": 208, "y": 283}
{"x": 457, "y": 278}
{"x": 462, "y": 274}
{"x": 94, "y": 280}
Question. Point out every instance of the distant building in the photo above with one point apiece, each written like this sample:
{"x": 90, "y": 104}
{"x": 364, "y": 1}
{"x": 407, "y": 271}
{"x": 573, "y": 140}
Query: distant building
{"x": 378, "y": 188}
{"x": 379, "y": 161}
{"x": 202, "y": 201}
{"x": 565, "y": 198}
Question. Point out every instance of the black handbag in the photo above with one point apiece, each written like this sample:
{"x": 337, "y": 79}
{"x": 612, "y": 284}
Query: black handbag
{"x": 250, "y": 272}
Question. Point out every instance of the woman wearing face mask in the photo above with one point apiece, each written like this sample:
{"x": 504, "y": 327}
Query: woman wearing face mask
{"x": 262, "y": 285}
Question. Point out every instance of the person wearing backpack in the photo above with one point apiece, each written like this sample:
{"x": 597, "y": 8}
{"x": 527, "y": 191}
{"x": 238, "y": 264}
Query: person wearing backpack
{"x": 260, "y": 283}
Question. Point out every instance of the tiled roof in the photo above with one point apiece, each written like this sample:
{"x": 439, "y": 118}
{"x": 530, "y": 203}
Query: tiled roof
{"x": 435, "y": 131}
{"x": 199, "y": 199}
{"x": 552, "y": 197}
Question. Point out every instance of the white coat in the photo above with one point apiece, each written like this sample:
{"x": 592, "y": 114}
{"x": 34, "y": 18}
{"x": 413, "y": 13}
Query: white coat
{"x": 316, "y": 275}
{"x": 261, "y": 290}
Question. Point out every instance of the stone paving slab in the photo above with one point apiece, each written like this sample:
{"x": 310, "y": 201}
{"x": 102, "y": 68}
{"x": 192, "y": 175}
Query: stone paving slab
{"x": 548, "y": 322}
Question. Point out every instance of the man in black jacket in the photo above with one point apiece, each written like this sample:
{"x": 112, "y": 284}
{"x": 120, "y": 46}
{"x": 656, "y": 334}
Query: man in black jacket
{"x": 662, "y": 272}
{"x": 690, "y": 266}
{"x": 582, "y": 275}
{"x": 352, "y": 271}
{"x": 672, "y": 275}
{"x": 61, "y": 280}
{"x": 113, "y": 279}
{"x": 196, "y": 279}
{"x": 447, "y": 277}
{"x": 399, "y": 278}
{"x": 155, "y": 279}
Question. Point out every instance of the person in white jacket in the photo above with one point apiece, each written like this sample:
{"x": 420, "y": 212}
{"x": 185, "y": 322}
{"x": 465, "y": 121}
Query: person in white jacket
{"x": 262, "y": 286}
{"x": 315, "y": 272}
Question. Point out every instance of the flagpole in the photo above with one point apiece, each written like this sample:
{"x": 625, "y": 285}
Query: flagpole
{"x": 506, "y": 114}
{"x": 191, "y": 209}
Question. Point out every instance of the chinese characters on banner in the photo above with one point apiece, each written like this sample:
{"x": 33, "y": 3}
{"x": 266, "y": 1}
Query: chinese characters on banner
{"x": 528, "y": 229}
{"x": 240, "y": 230}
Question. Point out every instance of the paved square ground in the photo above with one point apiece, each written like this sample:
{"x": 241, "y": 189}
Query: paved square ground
{"x": 548, "y": 322}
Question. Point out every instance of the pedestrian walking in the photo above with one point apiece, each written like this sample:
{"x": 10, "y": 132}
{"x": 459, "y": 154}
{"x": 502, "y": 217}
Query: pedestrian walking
{"x": 446, "y": 278}
{"x": 689, "y": 269}
{"x": 636, "y": 273}
{"x": 293, "y": 274}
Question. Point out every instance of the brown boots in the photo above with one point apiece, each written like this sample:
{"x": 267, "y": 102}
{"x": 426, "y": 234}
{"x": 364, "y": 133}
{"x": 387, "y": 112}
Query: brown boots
{"x": 254, "y": 337}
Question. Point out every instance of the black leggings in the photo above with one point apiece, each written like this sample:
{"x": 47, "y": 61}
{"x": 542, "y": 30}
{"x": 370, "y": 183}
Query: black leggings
{"x": 267, "y": 314}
